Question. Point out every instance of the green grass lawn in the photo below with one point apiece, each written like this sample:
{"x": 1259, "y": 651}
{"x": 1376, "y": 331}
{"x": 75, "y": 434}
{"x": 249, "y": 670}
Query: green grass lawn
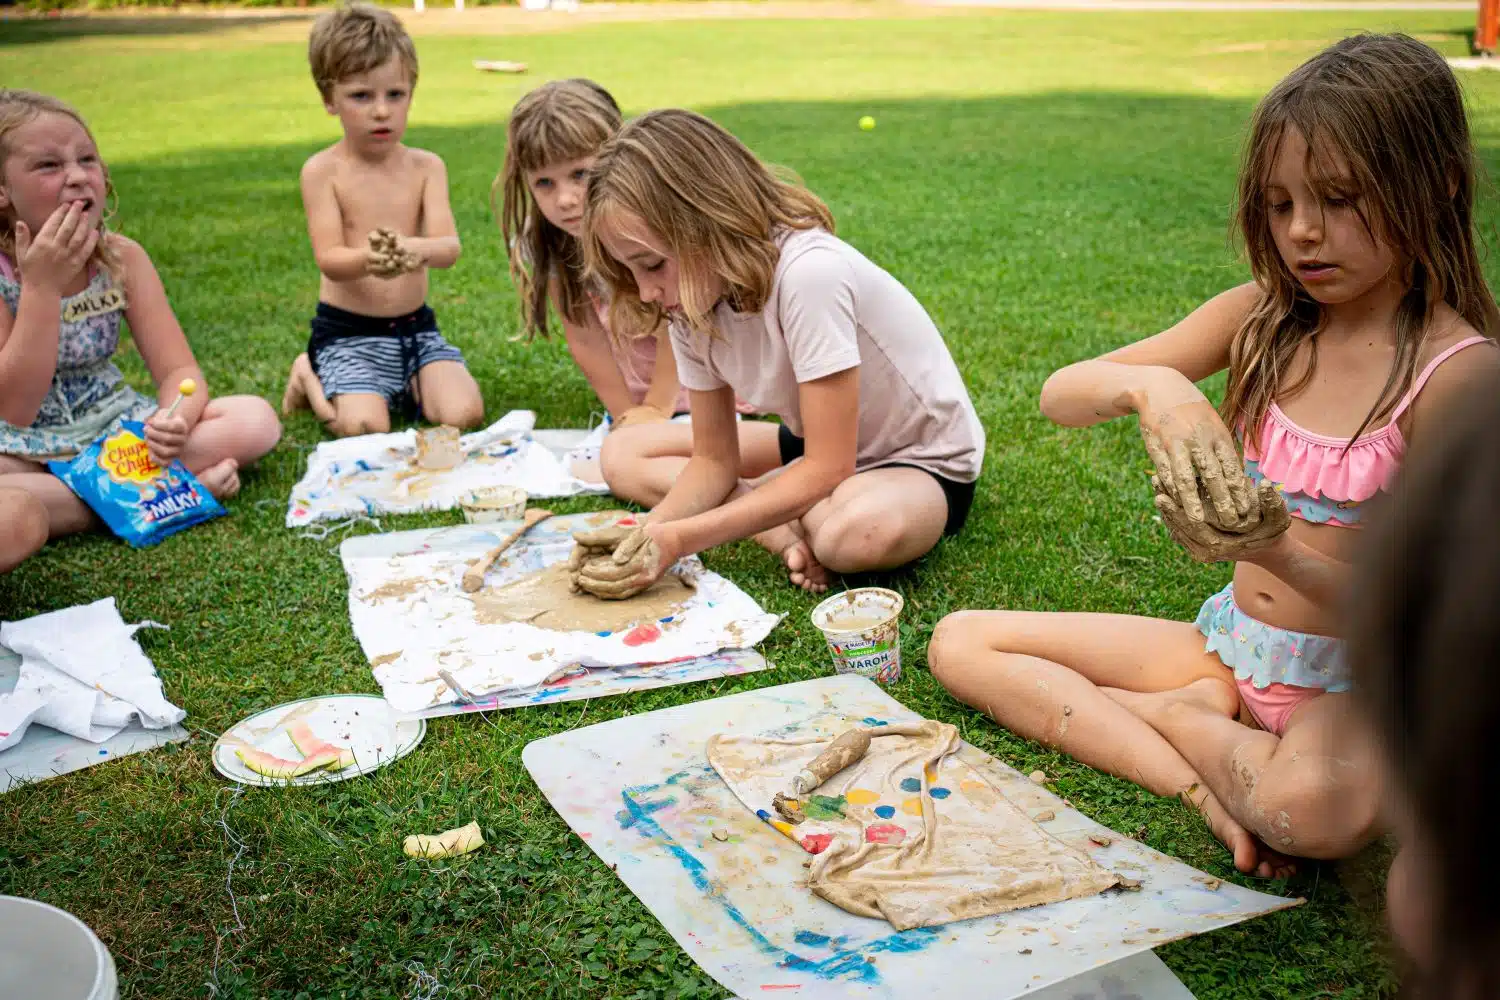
{"x": 1049, "y": 185}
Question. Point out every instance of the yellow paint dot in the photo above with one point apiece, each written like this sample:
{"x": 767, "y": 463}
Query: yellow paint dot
{"x": 861, "y": 797}
{"x": 912, "y": 806}
{"x": 931, "y": 773}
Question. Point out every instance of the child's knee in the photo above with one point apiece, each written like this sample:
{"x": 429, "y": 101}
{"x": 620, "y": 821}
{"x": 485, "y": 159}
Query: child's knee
{"x": 23, "y": 527}
{"x": 619, "y": 458}
{"x": 854, "y": 541}
{"x": 465, "y": 413}
{"x": 355, "y": 424}
{"x": 953, "y": 647}
{"x": 261, "y": 429}
{"x": 1315, "y": 808}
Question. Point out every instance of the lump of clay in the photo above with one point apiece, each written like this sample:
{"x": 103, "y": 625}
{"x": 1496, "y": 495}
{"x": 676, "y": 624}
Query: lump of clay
{"x": 391, "y": 258}
{"x": 438, "y": 448}
{"x": 613, "y": 562}
{"x": 1207, "y": 544}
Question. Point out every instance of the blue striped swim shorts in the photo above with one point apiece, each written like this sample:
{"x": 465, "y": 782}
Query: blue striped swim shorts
{"x": 380, "y": 355}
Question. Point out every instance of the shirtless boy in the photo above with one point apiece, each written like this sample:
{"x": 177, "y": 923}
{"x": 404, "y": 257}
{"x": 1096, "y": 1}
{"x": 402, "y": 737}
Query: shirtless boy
{"x": 378, "y": 216}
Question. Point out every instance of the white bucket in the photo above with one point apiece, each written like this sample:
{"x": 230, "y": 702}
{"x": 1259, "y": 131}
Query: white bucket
{"x": 49, "y": 953}
{"x": 494, "y": 503}
{"x": 863, "y": 629}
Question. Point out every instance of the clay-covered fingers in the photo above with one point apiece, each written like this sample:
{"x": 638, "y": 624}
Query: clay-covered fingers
{"x": 1211, "y": 475}
{"x": 1184, "y": 477}
{"x": 1274, "y": 516}
{"x": 1163, "y": 481}
{"x": 1200, "y": 540}
{"x": 607, "y": 537}
{"x": 632, "y": 547}
{"x": 1241, "y": 490}
{"x": 604, "y": 569}
{"x": 617, "y": 590}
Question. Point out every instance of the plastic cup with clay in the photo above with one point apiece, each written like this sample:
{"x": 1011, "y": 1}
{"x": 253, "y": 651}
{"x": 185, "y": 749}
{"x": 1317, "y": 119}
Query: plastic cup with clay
{"x": 490, "y": 504}
{"x": 863, "y": 630}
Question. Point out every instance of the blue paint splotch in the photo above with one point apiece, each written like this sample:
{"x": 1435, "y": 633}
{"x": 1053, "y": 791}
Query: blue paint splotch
{"x": 940, "y": 793}
{"x": 885, "y": 812}
{"x": 870, "y": 720}
{"x": 911, "y": 785}
{"x": 849, "y": 964}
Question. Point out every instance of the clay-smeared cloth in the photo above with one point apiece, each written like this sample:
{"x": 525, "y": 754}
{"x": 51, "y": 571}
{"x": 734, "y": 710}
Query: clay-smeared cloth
{"x": 911, "y": 832}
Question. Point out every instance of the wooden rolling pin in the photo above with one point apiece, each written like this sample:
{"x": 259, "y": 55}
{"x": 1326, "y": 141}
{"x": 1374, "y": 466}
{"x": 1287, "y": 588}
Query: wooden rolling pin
{"x": 474, "y": 575}
{"x": 847, "y": 749}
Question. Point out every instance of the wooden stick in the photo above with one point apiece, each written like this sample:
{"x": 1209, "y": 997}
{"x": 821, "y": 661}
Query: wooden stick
{"x": 474, "y": 575}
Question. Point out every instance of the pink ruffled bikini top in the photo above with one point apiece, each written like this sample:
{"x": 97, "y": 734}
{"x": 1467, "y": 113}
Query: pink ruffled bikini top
{"x": 1326, "y": 480}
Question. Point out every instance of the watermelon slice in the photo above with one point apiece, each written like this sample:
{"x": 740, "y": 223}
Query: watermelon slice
{"x": 310, "y": 745}
{"x": 273, "y": 766}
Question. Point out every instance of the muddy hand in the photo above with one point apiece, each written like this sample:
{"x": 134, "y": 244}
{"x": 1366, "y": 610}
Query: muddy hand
{"x": 1207, "y": 544}
{"x": 631, "y": 568}
{"x": 1190, "y": 446}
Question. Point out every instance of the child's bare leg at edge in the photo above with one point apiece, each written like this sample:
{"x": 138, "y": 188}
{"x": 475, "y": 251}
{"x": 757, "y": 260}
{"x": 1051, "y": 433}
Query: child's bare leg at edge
{"x": 1313, "y": 791}
{"x": 1011, "y": 666}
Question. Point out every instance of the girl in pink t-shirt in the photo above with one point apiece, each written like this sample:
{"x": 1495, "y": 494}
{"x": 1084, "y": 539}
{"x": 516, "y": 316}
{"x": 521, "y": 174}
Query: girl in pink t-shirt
{"x": 879, "y": 445}
{"x": 554, "y": 133}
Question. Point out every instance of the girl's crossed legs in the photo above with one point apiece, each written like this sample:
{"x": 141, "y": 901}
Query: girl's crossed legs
{"x": 232, "y": 432}
{"x": 1045, "y": 676}
{"x": 874, "y": 520}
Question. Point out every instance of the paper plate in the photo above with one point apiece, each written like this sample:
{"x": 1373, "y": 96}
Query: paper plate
{"x": 362, "y": 722}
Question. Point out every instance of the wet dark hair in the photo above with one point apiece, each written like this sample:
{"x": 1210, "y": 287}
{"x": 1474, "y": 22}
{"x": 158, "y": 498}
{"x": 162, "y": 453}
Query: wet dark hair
{"x": 1425, "y": 646}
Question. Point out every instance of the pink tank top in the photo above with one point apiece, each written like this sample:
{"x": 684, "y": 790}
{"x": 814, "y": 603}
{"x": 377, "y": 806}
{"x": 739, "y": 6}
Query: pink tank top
{"x": 1326, "y": 479}
{"x": 636, "y": 360}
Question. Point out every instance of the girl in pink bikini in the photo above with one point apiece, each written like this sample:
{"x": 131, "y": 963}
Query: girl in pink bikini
{"x": 1367, "y": 310}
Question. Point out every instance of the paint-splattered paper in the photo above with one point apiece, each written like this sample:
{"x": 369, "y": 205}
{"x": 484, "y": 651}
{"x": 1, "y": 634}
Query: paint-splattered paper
{"x": 415, "y": 623}
{"x": 732, "y": 891}
{"x": 375, "y": 474}
{"x": 601, "y": 682}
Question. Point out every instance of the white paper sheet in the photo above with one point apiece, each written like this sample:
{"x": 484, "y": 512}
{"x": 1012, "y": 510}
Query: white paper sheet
{"x": 373, "y": 474}
{"x": 640, "y": 792}
{"x": 412, "y": 619}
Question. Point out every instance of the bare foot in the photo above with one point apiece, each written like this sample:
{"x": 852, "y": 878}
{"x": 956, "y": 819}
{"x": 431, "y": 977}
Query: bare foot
{"x": 1205, "y": 694}
{"x": 304, "y": 390}
{"x": 222, "y": 480}
{"x": 805, "y": 570}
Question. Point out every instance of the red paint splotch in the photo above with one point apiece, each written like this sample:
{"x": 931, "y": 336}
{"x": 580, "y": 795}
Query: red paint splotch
{"x": 642, "y": 634}
{"x": 885, "y": 833}
{"x": 816, "y": 843}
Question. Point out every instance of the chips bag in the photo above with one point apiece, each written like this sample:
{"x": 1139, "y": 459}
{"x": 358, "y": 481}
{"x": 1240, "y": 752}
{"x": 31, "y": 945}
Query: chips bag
{"x": 139, "y": 500}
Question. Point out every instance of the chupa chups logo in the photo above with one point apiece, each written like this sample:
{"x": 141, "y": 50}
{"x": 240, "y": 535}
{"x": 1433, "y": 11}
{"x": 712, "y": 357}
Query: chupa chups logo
{"x": 126, "y": 459}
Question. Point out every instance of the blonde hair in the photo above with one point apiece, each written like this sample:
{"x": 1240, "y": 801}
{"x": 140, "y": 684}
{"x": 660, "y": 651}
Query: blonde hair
{"x": 356, "y": 38}
{"x": 1391, "y": 106}
{"x": 21, "y": 107}
{"x": 557, "y": 122}
{"x": 716, "y": 206}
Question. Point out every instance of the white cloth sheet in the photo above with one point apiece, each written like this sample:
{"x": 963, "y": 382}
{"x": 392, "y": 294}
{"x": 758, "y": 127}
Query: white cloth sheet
{"x": 81, "y": 673}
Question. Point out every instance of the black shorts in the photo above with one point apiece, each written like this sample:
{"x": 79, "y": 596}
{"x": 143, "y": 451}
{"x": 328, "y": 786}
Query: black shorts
{"x": 960, "y": 496}
{"x": 380, "y": 355}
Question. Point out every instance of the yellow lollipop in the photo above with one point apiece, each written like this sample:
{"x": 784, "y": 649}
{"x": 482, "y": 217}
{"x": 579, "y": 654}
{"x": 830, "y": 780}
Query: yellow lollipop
{"x": 185, "y": 388}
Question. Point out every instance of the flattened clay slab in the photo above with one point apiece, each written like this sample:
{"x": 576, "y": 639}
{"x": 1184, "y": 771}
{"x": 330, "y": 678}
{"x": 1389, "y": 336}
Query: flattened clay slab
{"x": 547, "y": 600}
